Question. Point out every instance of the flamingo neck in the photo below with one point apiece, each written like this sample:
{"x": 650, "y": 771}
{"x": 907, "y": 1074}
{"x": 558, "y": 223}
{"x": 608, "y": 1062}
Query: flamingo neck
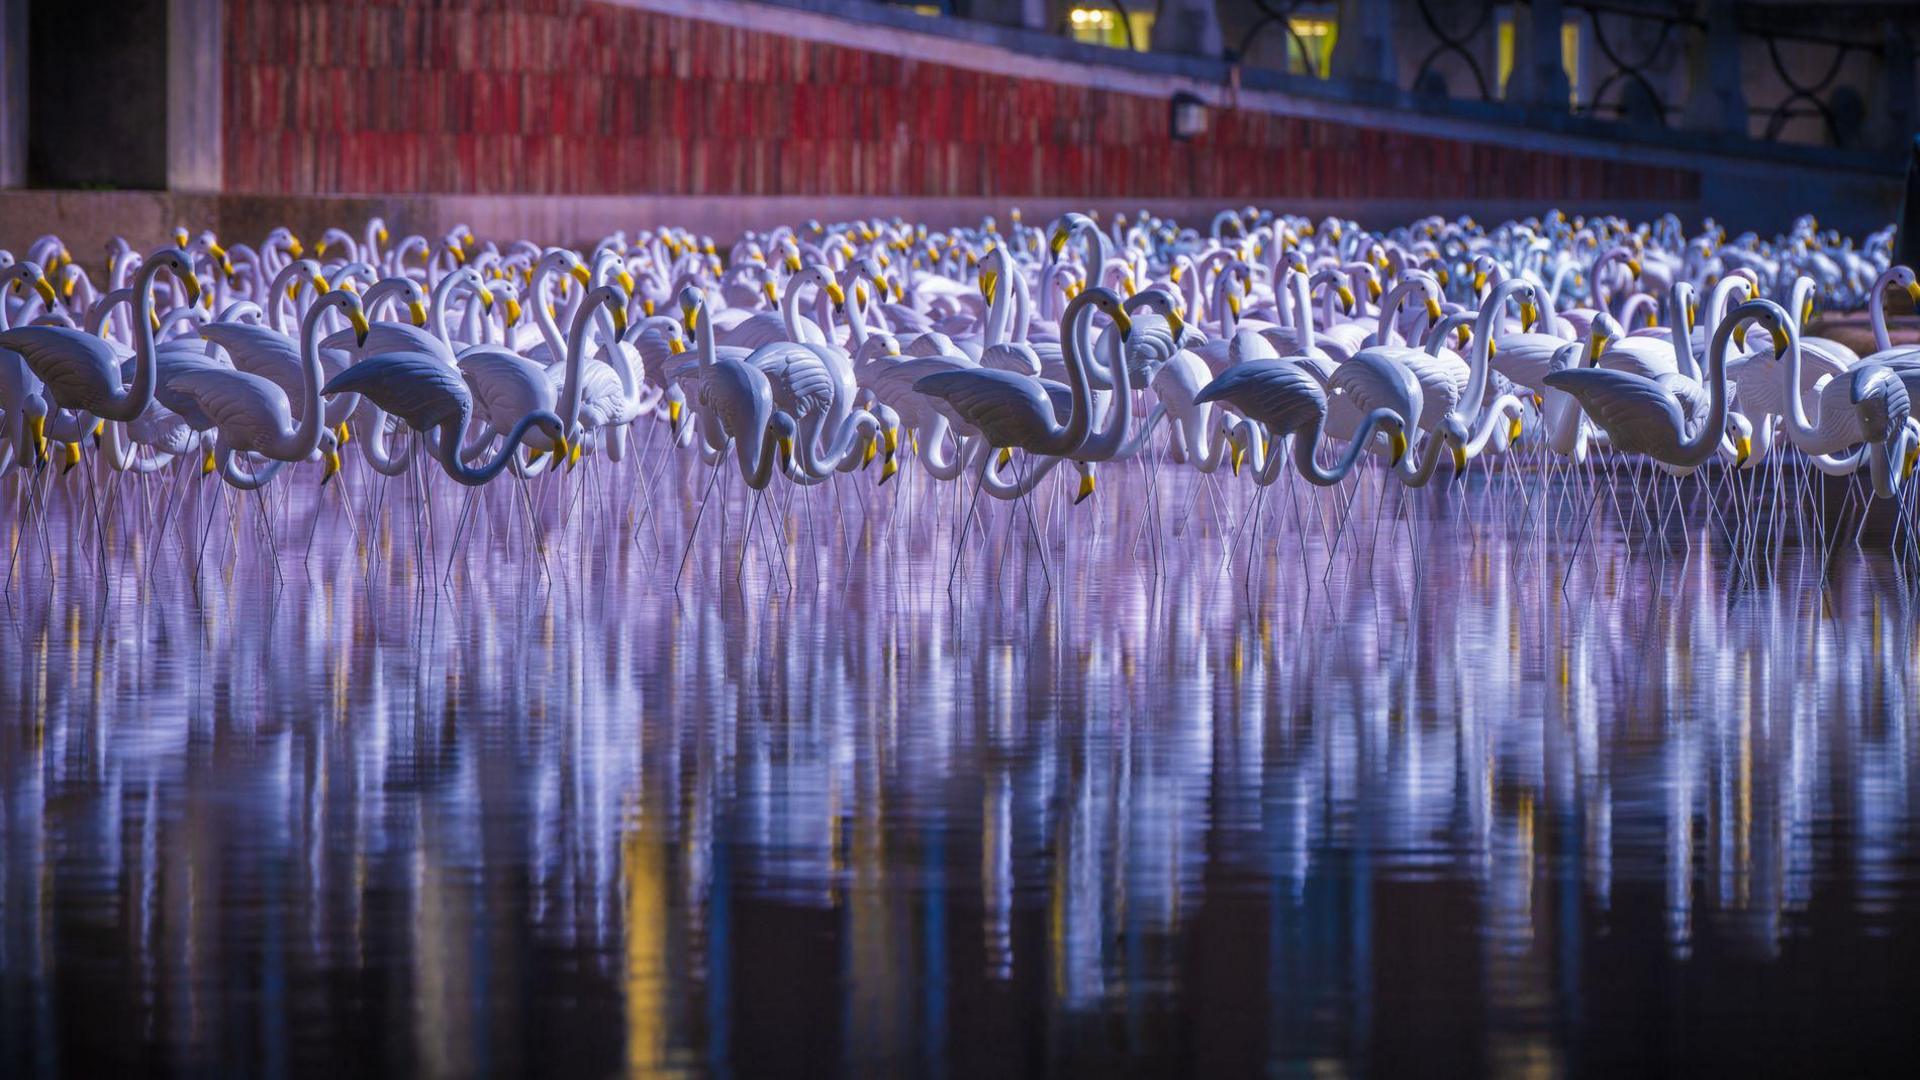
{"x": 1877, "y": 310}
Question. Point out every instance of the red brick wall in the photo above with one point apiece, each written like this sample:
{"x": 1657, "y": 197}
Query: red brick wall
{"x": 575, "y": 97}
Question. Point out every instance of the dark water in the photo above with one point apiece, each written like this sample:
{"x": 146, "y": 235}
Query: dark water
{"x": 1215, "y": 802}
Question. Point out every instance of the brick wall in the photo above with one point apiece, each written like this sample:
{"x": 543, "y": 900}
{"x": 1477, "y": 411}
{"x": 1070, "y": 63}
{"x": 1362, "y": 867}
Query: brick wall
{"x": 573, "y": 97}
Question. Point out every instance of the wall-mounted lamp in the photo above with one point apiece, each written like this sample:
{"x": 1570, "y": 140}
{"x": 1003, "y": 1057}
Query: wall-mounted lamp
{"x": 1187, "y": 118}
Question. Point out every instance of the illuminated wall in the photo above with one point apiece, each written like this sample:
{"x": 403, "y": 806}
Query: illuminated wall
{"x": 553, "y": 97}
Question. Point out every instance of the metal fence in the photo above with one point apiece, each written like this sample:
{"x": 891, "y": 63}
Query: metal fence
{"x": 1640, "y": 62}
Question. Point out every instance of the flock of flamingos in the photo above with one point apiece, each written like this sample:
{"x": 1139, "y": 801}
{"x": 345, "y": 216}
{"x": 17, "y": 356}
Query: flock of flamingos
{"x": 1588, "y": 352}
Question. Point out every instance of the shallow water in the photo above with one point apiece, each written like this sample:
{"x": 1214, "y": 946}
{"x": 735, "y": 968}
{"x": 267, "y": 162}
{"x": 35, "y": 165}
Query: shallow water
{"x": 1461, "y": 796}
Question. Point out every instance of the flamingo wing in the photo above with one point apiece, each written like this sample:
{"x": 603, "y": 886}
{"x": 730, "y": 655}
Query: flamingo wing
{"x": 416, "y": 387}
{"x": 77, "y": 366}
{"x": 1636, "y": 412}
{"x": 1009, "y": 409}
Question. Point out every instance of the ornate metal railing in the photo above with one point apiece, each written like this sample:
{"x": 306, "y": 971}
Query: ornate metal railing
{"x": 1639, "y": 58}
{"x": 1631, "y": 71}
{"x": 1451, "y": 43}
{"x": 1809, "y": 98}
{"x": 1276, "y": 16}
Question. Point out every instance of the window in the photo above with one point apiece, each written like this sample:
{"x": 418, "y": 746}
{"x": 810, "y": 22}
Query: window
{"x": 1570, "y": 60}
{"x": 1310, "y": 46}
{"x": 1102, "y": 26}
{"x": 1503, "y": 53}
{"x": 1504, "y": 49}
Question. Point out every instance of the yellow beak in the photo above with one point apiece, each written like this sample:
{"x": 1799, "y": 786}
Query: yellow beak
{"x": 417, "y": 312}
{"x": 333, "y": 467}
{"x": 1398, "y": 440}
{"x": 1086, "y": 489}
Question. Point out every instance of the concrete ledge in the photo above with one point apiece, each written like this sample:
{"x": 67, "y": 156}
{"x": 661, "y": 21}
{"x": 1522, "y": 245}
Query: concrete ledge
{"x": 87, "y": 220}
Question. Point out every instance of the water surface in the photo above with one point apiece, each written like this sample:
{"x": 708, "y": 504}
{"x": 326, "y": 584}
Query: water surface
{"x": 1455, "y": 794}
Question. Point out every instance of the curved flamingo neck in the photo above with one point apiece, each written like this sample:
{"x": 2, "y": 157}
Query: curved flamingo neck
{"x": 127, "y": 403}
{"x": 1305, "y": 442}
{"x": 1877, "y": 310}
{"x": 305, "y": 438}
{"x": 448, "y": 448}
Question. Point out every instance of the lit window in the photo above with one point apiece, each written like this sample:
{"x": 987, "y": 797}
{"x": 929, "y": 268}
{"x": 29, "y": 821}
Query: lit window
{"x": 1570, "y": 60}
{"x": 1102, "y": 26}
{"x": 1503, "y": 53}
{"x": 1569, "y": 56}
{"x": 1310, "y": 46}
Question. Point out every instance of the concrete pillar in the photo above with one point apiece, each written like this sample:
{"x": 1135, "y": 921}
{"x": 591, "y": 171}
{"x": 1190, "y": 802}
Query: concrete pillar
{"x": 1539, "y": 77}
{"x": 1365, "y": 50}
{"x": 1188, "y": 27}
{"x": 1893, "y": 125}
{"x": 1908, "y": 238}
{"x": 195, "y": 59}
{"x": 1715, "y": 99}
{"x": 13, "y": 93}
